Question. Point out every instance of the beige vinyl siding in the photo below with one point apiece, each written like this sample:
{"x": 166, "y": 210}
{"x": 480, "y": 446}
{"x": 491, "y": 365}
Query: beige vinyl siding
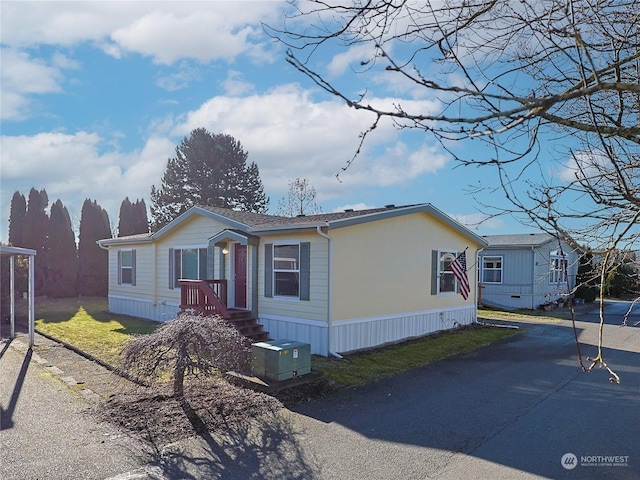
{"x": 194, "y": 232}
{"x": 384, "y": 268}
{"x": 316, "y": 307}
{"x": 144, "y": 272}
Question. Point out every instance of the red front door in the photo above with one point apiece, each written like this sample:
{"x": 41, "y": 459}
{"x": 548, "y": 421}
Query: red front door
{"x": 240, "y": 276}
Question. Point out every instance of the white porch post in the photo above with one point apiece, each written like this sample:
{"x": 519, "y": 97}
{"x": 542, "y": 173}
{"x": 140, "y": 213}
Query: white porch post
{"x": 32, "y": 306}
{"x": 12, "y": 291}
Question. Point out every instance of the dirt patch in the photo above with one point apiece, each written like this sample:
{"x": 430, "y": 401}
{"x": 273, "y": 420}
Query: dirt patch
{"x": 209, "y": 406}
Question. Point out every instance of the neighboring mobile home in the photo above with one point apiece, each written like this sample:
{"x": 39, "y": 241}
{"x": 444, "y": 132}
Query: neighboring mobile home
{"x": 525, "y": 270}
{"x": 339, "y": 281}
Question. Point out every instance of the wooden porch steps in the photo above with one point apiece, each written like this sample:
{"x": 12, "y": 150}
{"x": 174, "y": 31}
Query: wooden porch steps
{"x": 247, "y": 325}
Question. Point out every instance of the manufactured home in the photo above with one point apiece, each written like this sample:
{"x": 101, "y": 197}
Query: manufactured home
{"x": 339, "y": 281}
{"x": 525, "y": 271}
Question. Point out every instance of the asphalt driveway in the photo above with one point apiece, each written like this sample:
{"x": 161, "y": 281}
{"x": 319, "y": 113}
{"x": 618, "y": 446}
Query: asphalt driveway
{"x": 511, "y": 410}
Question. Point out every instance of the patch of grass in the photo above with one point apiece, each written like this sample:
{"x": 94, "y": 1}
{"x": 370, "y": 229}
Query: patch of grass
{"x": 364, "y": 367}
{"x": 552, "y": 316}
{"x": 86, "y": 324}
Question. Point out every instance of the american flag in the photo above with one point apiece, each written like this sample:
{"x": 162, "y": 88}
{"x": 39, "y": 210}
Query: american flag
{"x": 459, "y": 269}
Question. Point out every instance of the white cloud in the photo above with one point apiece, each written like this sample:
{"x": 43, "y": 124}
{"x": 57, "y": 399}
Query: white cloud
{"x": 289, "y": 135}
{"x": 353, "y": 206}
{"x": 352, "y": 59}
{"x": 475, "y": 221}
{"x": 73, "y": 167}
{"x": 26, "y": 76}
{"x": 583, "y": 164}
{"x": 235, "y": 85}
{"x": 160, "y": 29}
{"x": 167, "y": 36}
{"x": 184, "y": 75}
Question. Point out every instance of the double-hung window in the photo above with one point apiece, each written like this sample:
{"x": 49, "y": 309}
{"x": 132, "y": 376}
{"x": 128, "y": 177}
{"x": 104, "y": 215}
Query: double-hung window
{"x": 127, "y": 267}
{"x": 491, "y": 269}
{"x": 286, "y": 270}
{"x": 446, "y": 280}
{"x": 558, "y": 263}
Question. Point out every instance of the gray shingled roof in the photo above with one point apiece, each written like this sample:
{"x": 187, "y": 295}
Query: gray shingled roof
{"x": 257, "y": 223}
{"x": 260, "y": 221}
{"x": 518, "y": 239}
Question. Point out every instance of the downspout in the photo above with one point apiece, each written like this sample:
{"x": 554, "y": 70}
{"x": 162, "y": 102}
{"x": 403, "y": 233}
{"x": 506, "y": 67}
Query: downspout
{"x": 533, "y": 277}
{"x": 329, "y": 292}
{"x": 477, "y": 277}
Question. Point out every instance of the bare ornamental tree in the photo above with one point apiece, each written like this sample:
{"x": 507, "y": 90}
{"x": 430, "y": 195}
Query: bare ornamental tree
{"x": 300, "y": 201}
{"x": 188, "y": 345}
{"x": 525, "y": 80}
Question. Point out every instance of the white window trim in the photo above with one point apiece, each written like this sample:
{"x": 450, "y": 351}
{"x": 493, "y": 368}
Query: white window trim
{"x": 456, "y": 285}
{"x": 558, "y": 273}
{"x": 122, "y": 282}
{"x": 501, "y": 269}
{"x": 284, "y": 298}
{"x": 187, "y": 247}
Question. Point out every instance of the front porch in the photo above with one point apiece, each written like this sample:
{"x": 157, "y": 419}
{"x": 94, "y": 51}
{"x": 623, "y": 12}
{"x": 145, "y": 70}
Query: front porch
{"x": 209, "y": 297}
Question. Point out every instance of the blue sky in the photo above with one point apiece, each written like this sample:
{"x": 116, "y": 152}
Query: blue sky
{"x": 96, "y": 96}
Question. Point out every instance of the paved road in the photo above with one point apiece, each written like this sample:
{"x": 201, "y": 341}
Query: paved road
{"x": 46, "y": 430}
{"x": 506, "y": 411}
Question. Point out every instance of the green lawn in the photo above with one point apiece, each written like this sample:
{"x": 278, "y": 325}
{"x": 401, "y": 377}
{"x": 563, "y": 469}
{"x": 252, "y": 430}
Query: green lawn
{"x": 364, "y": 367}
{"x": 86, "y": 324}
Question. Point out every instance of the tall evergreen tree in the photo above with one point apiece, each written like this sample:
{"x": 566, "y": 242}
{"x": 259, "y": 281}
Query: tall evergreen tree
{"x": 208, "y": 169}
{"x": 63, "y": 254}
{"x": 133, "y": 218}
{"x": 140, "y": 218}
{"x": 36, "y": 228}
{"x": 16, "y": 219}
{"x": 93, "y": 269}
{"x": 126, "y": 220}
{"x": 251, "y": 193}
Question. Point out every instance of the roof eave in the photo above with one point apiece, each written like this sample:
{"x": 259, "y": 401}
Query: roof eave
{"x": 106, "y": 242}
{"x": 290, "y": 228}
{"x": 196, "y": 210}
{"x": 400, "y": 211}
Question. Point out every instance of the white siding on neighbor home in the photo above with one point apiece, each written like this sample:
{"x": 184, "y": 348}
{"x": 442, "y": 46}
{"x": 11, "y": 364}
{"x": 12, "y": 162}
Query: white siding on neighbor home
{"x": 517, "y": 287}
{"x": 526, "y": 276}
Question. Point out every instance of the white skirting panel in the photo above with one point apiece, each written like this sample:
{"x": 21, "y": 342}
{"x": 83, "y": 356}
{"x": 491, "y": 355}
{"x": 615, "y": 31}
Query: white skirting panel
{"x": 298, "y": 329}
{"x": 363, "y": 333}
{"x": 137, "y": 307}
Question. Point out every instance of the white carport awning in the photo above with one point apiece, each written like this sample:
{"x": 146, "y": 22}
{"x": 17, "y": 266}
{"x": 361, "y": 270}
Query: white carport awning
{"x": 12, "y": 252}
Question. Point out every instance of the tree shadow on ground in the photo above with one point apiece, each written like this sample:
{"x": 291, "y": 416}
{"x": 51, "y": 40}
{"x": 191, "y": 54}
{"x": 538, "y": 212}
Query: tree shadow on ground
{"x": 264, "y": 448}
{"x": 218, "y": 431}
